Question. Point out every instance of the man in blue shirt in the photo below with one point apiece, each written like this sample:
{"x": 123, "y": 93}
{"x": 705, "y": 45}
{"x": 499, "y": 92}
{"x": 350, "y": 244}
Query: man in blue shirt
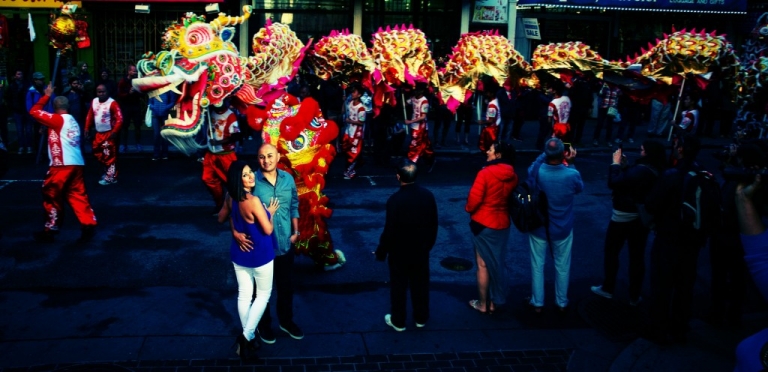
{"x": 275, "y": 183}
{"x": 560, "y": 182}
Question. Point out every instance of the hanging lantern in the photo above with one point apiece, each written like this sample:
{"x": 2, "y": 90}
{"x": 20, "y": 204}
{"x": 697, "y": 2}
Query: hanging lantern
{"x": 63, "y": 29}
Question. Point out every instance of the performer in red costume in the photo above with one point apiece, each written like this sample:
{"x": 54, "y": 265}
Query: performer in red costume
{"x": 492, "y": 121}
{"x": 223, "y": 134}
{"x": 104, "y": 114}
{"x": 65, "y": 173}
{"x": 353, "y": 135}
{"x": 420, "y": 144}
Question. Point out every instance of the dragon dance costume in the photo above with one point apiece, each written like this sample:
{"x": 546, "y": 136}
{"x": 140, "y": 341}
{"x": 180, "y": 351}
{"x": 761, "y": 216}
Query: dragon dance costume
{"x": 420, "y": 144}
{"x": 107, "y": 119}
{"x": 490, "y": 133}
{"x": 352, "y": 143}
{"x": 65, "y": 173}
{"x": 220, "y": 156}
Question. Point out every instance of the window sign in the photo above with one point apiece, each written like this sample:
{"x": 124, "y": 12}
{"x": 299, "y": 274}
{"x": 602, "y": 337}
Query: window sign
{"x": 531, "y": 27}
{"x": 490, "y": 11}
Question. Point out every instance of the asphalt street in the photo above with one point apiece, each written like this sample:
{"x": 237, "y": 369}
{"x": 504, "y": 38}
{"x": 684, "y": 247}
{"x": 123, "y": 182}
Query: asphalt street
{"x": 158, "y": 245}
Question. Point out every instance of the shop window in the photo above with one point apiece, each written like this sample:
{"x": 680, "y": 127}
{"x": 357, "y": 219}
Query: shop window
{"x": 305, "y": 25}
{"x": 333, "y": 5}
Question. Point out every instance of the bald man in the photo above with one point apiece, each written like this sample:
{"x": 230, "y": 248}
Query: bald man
{"x": 275, "y": 183}
{"x": 64, "y": 179}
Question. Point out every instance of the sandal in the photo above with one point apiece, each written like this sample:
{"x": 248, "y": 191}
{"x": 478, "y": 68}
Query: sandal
{"x": 475, "y": 304}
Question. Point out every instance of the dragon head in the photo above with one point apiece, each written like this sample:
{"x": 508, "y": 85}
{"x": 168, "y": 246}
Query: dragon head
{"x": 200, "y": 63}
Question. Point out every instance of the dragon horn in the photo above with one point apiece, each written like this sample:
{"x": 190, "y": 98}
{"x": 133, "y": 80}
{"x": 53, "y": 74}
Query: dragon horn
{"x": 225, "y": 20}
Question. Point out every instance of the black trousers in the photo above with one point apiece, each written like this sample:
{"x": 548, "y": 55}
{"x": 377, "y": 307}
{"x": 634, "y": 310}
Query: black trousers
{"x": 413, "y": 274}
{"x": 673, "y": 275}
{"x": 577, "y": 119}
{"x": 545, "y": 130}
{"x": 729, "y": 276}
{"x": 132, "y": 116}
{"x": 636, "y": 236}
{"x": 282, "y": 285}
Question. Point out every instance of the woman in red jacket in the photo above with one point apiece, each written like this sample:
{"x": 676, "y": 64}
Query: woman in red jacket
{"x": 489, "y": 222}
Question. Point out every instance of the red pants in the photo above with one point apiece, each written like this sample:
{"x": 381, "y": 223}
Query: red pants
{"x": 561, "y": 130}
{"x": 66, "y": 182}
{"x": 488, "y": 136}
{"x": 215, "y": 168}
{"x": 352, "y": 145}
{"x": 105, "y": 151}
{"x": 420, "y": 145}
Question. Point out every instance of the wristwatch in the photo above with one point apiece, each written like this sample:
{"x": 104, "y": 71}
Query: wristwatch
{"x": 296, "y": 233}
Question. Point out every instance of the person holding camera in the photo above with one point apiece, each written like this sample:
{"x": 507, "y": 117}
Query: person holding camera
{"x": 630, "y": 186}
{"x": 751, "y": 202}
{"x": 560, "y": 182}
{"x": 729, "y": 272}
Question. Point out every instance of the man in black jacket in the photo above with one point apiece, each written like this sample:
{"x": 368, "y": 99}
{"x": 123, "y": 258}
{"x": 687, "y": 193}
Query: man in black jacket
{"x": 409, "y": 233}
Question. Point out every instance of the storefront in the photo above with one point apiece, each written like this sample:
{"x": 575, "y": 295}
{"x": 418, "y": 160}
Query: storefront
{"x": 21, "y": 21}
{"x": 620, "y": 28}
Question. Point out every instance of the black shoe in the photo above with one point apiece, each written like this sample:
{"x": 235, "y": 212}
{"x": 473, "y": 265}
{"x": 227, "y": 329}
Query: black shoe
{"x": 45, "y": 236}
{"x": 243, "y": 348}
{"x": 266, "y": 335}
{"x": 292, "y": 330}
{"x": 87, "y": 234}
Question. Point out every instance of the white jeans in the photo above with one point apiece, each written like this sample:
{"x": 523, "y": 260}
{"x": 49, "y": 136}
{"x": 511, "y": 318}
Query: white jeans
{"x": 250, "y": 313}
{"x": 561, "y": 249}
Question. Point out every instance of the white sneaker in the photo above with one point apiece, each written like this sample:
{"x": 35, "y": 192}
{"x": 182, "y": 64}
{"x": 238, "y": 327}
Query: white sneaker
{"x": 631, "y": 140}
{"x": 21, "y": 150}
{"x": 598, "y": 290}
{"x": 29, "y": 150}
{"x": 419, "y": 325}
{"x": 388, "y": 320}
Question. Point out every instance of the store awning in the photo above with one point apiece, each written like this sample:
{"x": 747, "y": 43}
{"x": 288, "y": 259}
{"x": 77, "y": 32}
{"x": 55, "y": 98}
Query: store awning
{"x": 152, "y": 1}
{"x": 678, "y": 6}
{"x": 54, "y": 4}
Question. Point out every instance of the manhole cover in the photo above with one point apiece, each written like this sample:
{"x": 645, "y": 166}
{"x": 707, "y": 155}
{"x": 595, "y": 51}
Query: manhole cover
{"x": 456, "y": 264}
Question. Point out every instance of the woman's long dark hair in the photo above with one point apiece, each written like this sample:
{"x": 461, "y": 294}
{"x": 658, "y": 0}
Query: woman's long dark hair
{"x": 507, "y": 152}
{"x": 655, "y": 155}
{"x": 235, "y": 180}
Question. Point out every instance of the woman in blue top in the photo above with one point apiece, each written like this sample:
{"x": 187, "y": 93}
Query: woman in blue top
{"x": 252, "y": 265}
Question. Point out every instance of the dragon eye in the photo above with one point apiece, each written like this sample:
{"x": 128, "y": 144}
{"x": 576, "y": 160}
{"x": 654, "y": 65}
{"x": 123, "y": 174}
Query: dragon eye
{"x": 299, "y": 143}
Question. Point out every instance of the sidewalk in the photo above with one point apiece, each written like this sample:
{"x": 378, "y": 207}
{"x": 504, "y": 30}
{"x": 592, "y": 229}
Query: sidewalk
{"x": 171, "y": 327}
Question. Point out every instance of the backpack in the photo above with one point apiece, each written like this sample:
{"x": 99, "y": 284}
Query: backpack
{"x": 528, "y": 204}
{"x": 701, "y": 209}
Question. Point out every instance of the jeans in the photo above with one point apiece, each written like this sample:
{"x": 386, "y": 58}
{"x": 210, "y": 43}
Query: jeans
{"x": 603, "y": 120}
{"x": 24, "y": 133}
{"x": 161, "y": 144}
{"x": 561, "y": 250}
{"x": 660, "y": 117}
{"x": 250, "y": 312}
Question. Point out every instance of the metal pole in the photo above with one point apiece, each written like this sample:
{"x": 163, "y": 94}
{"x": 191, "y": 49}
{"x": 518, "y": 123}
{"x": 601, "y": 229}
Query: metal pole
{"x": 43, "y": 137}
{"x": 677, "y": 107}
